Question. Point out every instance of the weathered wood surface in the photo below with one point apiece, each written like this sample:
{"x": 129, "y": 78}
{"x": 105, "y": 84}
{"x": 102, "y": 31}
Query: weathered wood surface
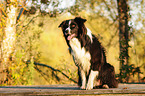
{"x": 126, "y": 89}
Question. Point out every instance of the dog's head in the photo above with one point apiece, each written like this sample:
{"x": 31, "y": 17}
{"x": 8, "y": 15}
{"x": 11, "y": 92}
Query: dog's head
{"x": 73, "y": 27}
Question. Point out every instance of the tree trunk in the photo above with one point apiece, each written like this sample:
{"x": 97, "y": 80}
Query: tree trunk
{"x": 123, "y": 34}
{"x": 8, "y": 43}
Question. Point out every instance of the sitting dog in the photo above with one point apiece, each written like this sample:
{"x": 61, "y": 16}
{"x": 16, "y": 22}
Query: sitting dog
{"x": 88, "y": 54}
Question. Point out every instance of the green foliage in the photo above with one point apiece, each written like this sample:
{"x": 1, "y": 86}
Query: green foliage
{"x": 27, "y": 48}
{"x": 30, "y": 74}
{"x": 128, "y": 71}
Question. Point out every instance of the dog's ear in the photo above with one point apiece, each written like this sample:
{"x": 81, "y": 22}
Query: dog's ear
{"x": 61, "y": 25}
{"x": 79, "y": 19}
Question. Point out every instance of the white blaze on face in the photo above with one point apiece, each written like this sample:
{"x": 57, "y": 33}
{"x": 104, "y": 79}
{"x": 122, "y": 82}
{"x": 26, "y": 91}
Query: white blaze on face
{"x": 68, "y": 29}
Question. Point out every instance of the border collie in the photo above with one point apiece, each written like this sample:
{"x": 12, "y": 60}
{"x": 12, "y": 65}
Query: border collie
{"x": 88, "y": 55}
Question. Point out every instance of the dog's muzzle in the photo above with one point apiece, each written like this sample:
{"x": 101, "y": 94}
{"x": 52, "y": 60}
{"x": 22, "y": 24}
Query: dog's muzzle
{"x": 69, "y": 37}
{"x": 68, "y": 34}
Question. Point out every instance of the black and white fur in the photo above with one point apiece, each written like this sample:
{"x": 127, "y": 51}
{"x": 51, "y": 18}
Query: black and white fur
{"x": 88, "y": 54}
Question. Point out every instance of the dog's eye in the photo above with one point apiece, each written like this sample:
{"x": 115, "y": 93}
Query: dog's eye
{"x": 73, "y": 25}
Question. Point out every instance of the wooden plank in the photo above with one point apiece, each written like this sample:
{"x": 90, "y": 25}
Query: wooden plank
{"x": 128, "y": 89}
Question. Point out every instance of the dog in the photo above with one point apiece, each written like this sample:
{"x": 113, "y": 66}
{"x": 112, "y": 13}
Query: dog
{"x": 88, "y": 55}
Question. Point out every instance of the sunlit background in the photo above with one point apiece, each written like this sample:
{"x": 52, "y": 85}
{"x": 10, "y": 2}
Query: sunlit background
{"x": 40, "y": 40}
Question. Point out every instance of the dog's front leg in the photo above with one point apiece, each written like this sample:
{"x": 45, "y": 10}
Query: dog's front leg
{"x": 92, "y": 76}
{"x": 83, "y": 77}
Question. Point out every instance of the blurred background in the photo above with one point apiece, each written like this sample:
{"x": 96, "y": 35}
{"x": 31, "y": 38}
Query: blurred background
{"x": 34, "y": 51}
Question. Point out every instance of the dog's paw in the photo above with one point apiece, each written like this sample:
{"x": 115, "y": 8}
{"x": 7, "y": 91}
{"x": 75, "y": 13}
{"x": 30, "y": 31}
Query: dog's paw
{"x": 83, "y": 87}
{"x": 105, "y": 86}
{"x": 89, "y": 87}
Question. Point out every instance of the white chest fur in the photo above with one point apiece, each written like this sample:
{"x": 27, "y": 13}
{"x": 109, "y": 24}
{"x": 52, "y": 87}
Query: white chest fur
{"x": 81, "y": 56}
